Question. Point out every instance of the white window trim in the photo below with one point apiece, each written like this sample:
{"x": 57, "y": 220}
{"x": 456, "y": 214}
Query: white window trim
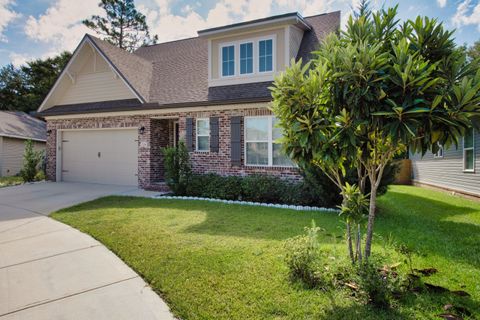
{"x": 273, "y": 55}
{"x": 256, "y": 57}
{"x": 220, "y": 60}
{"x": 270, "y": 141}
{"x": 436, "y": 155}
{"x": 240, "y": 58}
{"x": 467, "y": 149}
{"x": 202, "y": 135}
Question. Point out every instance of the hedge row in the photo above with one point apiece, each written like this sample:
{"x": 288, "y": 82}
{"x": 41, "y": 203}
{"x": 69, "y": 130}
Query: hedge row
{"x": 257, "y": 188}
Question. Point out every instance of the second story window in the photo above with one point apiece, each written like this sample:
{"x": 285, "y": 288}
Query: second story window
{"x": 265, "y": 49}
{"x": 246, "y": 58}
{"x": 228, "y": 61}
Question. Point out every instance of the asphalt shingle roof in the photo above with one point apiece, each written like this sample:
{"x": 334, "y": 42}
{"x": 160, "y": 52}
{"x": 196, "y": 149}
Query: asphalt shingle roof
{"x": 20, "y": 125}
{"x": 176, "y": 72}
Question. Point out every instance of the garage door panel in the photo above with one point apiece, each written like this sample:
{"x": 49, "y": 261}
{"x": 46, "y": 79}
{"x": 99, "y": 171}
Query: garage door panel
{"x": 100, "y": 156}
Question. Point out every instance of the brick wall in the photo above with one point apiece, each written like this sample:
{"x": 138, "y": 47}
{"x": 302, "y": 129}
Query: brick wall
{"x": 158, "y": 133}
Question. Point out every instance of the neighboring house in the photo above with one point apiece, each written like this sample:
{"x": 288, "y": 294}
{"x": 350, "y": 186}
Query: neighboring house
{"x": 455, "y": 169}
{"x": 15, "y": 129}
{"x": 110, "y": 112}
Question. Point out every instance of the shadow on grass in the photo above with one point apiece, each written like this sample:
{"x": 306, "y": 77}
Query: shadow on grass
{"x": 418, "y": 221}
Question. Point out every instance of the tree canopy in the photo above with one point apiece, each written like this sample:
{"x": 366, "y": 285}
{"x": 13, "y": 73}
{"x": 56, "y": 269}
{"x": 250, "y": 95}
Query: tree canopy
{"x": 25, "y": 87}
{"x": 122, "y": 25}
{"x": 372, "y": 90}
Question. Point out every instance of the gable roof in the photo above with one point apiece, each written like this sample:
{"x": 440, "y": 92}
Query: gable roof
{"x": 136, "y": 70}
{"x": 16, "y": 124}
{"x": 175, "y": 73}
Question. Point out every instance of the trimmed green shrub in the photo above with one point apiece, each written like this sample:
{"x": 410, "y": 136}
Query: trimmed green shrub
{"x": 215, "y": 186}
{"x": 263, "y": 188}
{"x": 177, "y": 168}
{"x": 304, "y": 259}
{"x": 31, "y": 161}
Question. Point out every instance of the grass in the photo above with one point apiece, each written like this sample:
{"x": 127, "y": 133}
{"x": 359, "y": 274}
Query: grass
{"x": 10, "y": 181}
{"x": 218, "y": 261}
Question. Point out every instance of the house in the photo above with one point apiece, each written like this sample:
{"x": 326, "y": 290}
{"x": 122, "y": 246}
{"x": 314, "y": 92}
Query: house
{"x": 110, "y": 112}
{"x": 15, "y": 128}
{"x": 453, "y": 169}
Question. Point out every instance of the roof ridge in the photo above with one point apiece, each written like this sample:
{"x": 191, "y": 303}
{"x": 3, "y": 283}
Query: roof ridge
{"x": 166, "y": 42}
{"x": 322, "y": 14}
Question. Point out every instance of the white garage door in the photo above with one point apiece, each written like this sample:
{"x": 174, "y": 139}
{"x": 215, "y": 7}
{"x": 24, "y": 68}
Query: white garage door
{"x": 100, "y": 156}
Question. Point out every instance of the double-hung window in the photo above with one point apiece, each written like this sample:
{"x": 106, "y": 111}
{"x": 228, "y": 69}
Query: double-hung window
{"x": 261, "y": 145}
{"x": 469, "y": 151}
{"x": 265, "y": 55}
{"x": 228, "y": 61}
{"x": 439, "y": 153}
{"x": 203, "y": 134}
{"x": 246, "y": 58}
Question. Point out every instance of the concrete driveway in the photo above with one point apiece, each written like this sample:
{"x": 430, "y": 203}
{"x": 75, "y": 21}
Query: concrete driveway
{"x": 49, "y": 270}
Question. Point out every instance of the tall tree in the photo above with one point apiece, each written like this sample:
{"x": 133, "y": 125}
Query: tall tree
{"x": 12, "y": 89}
{"x": 122, "y": 26}
{"x": 474, "y": 51}
{"x": 24, "y": 88}
{"x": 370, "y": 91}
{"x": 41, "y": 74}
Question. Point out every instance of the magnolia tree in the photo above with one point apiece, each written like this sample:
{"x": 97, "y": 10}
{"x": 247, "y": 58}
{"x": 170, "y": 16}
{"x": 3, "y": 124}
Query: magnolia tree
{"x": 372, "y": 90}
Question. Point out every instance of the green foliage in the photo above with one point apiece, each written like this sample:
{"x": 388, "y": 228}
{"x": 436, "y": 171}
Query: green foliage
{"x": 177, "y": 168}
{"x": 372, "y": 90}
{"x": 24, "y": 88}
{"x": 474, "y": 51}
{"x": 215, "y": 186}
{"x": 31, "y": 161}
{"x": 354, "y": 208}
{"x": 304, "y": 259}
{"x": 40, "y": 176}
{"x": 260, "y": 188}
{"x": 377, "y": 283}
{"x": 122, "y": 26}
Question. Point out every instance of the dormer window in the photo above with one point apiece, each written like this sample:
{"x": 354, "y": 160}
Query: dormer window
{"x": 265, "y": 61}
{"x": 228, "y": 61}
{"x": 246, "y": 58}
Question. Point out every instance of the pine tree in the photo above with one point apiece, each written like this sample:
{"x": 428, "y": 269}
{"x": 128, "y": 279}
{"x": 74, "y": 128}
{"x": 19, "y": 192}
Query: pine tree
{"x": 123, "y": 26}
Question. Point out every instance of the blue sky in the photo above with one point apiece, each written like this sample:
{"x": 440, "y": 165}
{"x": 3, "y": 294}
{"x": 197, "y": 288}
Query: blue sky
{"x": 40, "y": 28}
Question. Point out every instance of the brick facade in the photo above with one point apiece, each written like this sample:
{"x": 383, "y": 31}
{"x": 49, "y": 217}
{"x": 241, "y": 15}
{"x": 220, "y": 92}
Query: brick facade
{"x": 158, "y": 132}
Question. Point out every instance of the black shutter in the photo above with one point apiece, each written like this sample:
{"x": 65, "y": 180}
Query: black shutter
{"x": 214, "y": 134}
{"x": 236, "y": 143}
{"x": 189, "y": 134}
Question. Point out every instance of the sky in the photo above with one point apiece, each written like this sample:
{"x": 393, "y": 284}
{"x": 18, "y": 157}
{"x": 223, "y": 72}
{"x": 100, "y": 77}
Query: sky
{"x": 31, "y": 29}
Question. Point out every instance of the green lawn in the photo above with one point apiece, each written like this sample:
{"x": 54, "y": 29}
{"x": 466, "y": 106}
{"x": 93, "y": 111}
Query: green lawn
{"x": 217, "y": 261}
{"x": 10, "y": 181}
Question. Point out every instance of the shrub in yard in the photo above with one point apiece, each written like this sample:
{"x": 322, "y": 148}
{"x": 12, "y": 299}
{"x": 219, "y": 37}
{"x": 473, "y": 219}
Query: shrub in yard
{"x": 215, "y": 186}
{"x": 177, "y": 168}
{"x": 263, "y": 188}
{"x": 31, "y": 161}
{"x": 377, "y": 283}
{"x": 303, "y": 258}
{"x": 40, "y": 176}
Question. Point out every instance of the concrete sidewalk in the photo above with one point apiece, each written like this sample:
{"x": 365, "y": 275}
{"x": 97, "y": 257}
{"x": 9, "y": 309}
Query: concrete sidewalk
{"x": 49, "y": 270}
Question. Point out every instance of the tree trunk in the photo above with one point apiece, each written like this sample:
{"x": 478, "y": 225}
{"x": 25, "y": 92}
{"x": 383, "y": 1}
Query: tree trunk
{"x": 371, "y": 219}
{"x": 349, "y": 242}
{"x": 359, "y": 243}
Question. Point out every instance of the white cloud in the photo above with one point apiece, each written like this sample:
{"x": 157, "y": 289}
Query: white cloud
{"x": 7, "y": 15}
{"x": 442, "y": 3}
{"x": 467, "y": 14}
{"x": 18, "y": 59}
{"x": 60, "y": 26}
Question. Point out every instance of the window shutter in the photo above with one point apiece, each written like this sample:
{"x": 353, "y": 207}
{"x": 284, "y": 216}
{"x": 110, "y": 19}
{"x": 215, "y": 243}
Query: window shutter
{"x": 214, "y": 134}
{"x": 236, "y": 143}
{"x": 189, "y": 134}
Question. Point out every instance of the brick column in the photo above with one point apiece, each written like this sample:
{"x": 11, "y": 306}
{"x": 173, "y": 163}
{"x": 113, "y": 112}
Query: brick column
{"x": 144, "y": 154}
{"x": 50, "y": 153}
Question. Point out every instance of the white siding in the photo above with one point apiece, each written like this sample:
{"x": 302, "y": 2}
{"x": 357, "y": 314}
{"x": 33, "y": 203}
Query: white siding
{"x": 94, "y": 87}
{"x": 12, "y": 155}
{"x": 447, "y": 172}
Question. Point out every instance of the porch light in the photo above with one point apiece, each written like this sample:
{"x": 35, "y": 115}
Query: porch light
{"x": 141, "y": 130}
